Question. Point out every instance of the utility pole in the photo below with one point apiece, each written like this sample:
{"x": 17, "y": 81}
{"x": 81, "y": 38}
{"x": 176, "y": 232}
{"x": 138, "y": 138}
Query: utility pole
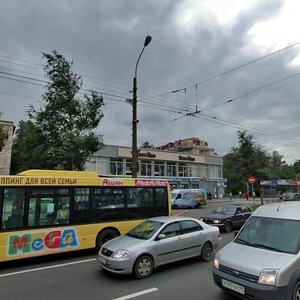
{"x": 134, "y": 165}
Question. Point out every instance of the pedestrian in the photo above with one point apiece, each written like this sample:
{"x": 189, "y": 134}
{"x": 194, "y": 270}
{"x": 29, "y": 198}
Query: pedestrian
{"x": 230, "y": 195}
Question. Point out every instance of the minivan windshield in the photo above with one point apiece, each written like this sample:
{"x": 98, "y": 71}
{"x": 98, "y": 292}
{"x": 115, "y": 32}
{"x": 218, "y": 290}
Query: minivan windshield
{"x": 281, "y": 235}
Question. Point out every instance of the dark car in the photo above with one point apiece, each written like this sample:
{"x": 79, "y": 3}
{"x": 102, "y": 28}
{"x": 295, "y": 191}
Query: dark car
{"x": 227, "y": 217}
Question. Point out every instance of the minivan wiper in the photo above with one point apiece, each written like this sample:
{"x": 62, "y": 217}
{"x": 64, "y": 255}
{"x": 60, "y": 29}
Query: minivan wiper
{"x": 268, "y": 247}
{"x": 241, "y": 241}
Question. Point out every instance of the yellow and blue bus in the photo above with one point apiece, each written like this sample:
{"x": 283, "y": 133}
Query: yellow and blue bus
{"x": 46, "y": 212}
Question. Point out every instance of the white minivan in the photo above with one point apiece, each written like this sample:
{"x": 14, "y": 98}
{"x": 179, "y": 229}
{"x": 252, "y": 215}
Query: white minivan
{"x": 263, "y": 260}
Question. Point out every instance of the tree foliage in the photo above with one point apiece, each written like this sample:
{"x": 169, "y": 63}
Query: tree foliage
{"x": 65, "y": 121}
{"x": 29, "y": 149}
{"x": 251, "y": 159}
{"x": 148, "y": 145}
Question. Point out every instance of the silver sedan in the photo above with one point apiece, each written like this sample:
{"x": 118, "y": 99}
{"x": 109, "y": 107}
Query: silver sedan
{"x": 158, "y": 241}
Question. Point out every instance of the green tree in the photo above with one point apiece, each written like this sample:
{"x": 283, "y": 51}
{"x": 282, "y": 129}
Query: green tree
{"x": 29, "y": 149}
{"x": 296, "y": 166}
{"x": 278, "y": 168}
{"x": 66, "y": 121}
{"x": 248, "y": 159}
{"x": 148, "y": 145}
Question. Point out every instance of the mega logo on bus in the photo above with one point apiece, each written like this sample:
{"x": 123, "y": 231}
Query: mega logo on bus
{"x": 41, "y": 241}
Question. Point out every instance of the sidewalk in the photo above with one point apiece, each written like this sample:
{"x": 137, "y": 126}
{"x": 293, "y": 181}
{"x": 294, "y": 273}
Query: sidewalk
{"x": 243, "y": 201}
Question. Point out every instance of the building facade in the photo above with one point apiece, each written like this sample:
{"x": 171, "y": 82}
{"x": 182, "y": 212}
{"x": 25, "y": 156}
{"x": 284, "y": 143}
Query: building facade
{"x": 5, "y": 154}
{"x": 186, "y": 164}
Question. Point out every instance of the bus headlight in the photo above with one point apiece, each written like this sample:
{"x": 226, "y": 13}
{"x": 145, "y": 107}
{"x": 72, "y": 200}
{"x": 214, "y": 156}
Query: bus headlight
{"x": 268, "y": 276}
{"x": 121, "y": 254}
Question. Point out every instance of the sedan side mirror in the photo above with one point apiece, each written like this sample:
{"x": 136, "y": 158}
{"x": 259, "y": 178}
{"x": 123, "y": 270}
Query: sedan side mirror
{"x": 161, "y": 236}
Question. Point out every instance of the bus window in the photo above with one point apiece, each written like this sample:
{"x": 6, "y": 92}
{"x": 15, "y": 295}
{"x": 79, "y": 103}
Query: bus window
{"x": 145, "y": 197}
{"x": 161, "y": 197}
{"x": 81, "y": 199}
{"x": 45, "y": 211}
{"x": 13, "y": 208}
{"x": 108, "y": 198}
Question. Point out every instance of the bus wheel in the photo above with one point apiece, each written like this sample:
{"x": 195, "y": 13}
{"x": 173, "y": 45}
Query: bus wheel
{"x": 104, "y": 236}
{"x": 143, "y": 267}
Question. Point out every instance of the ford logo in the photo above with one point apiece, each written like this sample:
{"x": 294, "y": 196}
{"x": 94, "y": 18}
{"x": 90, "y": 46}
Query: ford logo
{"x": 236, "y": 273}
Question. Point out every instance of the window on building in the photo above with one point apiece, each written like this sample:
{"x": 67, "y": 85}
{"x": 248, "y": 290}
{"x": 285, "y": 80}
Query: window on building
{"x": 159, "y": 169}
{"x": 128, "y": 168}
{"x": 203, "y": 171}
{"x": 146, "y": 168}
{"x": 184, "y": 170}
{"x": 116, "y": 167}
{"x": 171, "y": 169}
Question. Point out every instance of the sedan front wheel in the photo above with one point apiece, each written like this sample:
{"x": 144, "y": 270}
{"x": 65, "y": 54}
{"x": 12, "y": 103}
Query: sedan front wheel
{"x": 228, "y": 226}
{"x": 143, "y": 267}
{"x": 206, "y": 252}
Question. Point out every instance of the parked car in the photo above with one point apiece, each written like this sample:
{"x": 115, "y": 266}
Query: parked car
{"x": 229, "y": 216}
{"x": 289, "y": 196}
{"x": 158, "y": 241}
{"x": 263, "y": 260}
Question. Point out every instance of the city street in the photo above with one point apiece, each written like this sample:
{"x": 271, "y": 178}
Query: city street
{"x": 78, "y": 276}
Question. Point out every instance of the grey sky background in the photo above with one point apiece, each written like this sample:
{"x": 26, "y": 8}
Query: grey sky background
{"x": 192, "y": 41}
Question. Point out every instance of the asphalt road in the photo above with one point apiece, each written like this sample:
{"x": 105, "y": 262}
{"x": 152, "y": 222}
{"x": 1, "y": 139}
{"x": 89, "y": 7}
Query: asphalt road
{"x": 78, "y": 276}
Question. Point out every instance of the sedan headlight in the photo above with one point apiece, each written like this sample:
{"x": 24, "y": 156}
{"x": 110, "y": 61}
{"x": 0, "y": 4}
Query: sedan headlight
{"x": 121, "y": 253}
{"x": 217, "y": 221}
{"x": 268, "y": 276}
{"x": 201, "y": 219}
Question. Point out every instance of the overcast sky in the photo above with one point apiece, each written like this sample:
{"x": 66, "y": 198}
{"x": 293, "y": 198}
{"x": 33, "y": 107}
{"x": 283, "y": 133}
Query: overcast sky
{"x": 209, "y": 51}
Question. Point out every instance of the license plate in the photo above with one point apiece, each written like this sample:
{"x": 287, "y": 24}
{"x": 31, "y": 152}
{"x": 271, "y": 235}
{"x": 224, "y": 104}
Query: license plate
{"x": 233, "y": 286}
{"x": 102, "y": 260}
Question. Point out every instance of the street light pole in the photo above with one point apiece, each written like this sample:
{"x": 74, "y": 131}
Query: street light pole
{"x": 134, "y": 165}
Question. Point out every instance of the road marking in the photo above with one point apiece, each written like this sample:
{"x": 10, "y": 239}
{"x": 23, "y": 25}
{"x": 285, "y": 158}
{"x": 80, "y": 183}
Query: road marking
{"x": 137, "y": 294}
{"x": 49, "y": 267}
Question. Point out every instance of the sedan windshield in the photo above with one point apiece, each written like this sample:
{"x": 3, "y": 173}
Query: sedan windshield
{"x": 280, "y": 235}
{"x": 225, "y": 210}
{"x": 145, "y": 230}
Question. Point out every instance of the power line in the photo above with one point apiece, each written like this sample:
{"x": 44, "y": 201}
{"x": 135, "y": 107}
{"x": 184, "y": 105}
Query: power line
{"x": 226, "y": 72}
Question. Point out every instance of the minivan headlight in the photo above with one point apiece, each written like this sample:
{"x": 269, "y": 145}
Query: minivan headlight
{"x": 121, "y": 253}
{"x": 268, "y": 276}
{"x": 216, "y": 262}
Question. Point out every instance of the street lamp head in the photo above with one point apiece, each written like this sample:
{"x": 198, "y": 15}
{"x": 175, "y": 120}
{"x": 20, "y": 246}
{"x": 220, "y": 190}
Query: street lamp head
{"x": 147, "y": 40}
